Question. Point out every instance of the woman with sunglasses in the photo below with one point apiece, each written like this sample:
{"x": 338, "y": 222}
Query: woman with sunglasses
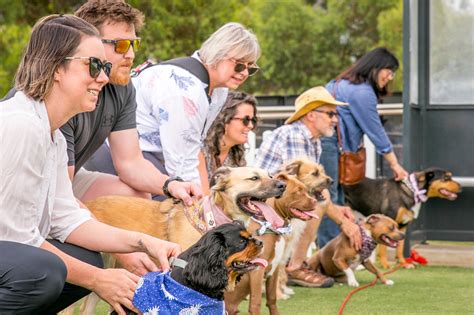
{"x": 224, "y": 144}
{"x": 361, "y": 85}
{"x": 48, "y": 244}
{"x": 175, "y": 109}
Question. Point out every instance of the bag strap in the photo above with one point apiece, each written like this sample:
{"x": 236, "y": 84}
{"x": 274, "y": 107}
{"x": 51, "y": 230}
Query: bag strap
{"x": 190, "y": 64}
{"x": 339, "y": 141}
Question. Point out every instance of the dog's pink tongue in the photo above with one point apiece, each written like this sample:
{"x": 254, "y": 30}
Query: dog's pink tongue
{"x": 269, "y": 214}
{"x": 311, "y": 214}
{"x": 260, "y": 261}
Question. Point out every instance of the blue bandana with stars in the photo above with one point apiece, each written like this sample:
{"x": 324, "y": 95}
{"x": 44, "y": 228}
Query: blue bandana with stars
{"x": 158, "y": 293}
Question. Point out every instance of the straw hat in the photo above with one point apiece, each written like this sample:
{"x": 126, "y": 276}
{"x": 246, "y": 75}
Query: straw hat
{"x": 311, "y": 99}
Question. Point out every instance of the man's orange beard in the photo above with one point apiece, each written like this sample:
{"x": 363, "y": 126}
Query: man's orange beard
{"x": 119, "y": 75}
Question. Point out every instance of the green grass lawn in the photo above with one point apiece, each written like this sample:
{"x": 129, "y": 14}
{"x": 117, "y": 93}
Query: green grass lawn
{"x": 426, "y": 290}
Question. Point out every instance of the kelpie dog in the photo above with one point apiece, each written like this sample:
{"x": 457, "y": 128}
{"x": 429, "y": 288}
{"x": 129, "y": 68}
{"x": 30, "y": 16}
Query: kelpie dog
{"x": 400, "y": 201}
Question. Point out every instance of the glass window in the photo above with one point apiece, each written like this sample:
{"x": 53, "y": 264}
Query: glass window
{"x": 413, "y": 51}
{"x": 451, "y": 52}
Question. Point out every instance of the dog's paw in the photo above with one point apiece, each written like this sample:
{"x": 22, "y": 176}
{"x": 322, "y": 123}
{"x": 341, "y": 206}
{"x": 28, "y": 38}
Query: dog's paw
{"x": 408, "y": 265}
{"x": 389, "y": 282}
{"x": 353, "y": 283}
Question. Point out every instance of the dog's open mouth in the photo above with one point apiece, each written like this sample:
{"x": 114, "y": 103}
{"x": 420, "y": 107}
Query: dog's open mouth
{"x": 318, "y": 194}
{"x": 448, "y": 194}
{"x": 260, "y": 210}
{"x": 388, "y": 241}
{"x": 246, "y": 266}
{"x": 303, "y": 215}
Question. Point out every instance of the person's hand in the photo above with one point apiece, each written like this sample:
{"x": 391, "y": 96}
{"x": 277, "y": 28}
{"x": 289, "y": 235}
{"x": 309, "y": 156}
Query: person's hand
{"x": 347, "y": 212}
{"x": 352, "y": 231}
{"x": 116, "y": 287}
{"x": 137, "y": 263}
{"x": 185, "y": 191}
{"x": 399, "y": 172}
{"x": 161, "y": 250}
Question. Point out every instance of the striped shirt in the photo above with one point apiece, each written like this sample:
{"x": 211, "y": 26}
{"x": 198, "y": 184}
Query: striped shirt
{"x": 287, "y": 142}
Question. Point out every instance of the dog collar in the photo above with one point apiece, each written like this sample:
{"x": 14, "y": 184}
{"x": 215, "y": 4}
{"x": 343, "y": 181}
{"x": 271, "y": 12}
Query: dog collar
{"x": 266, "y": 227}
{"x": 178, "y": 262}
{"x": 368, "y": 245}
{"x": 419, "y": 195}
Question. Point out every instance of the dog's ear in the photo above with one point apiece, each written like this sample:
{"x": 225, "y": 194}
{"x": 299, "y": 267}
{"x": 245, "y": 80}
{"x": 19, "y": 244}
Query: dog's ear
{"x": 282, "y": 176}
{"x": 219, "y": 178}
{"x": 292, "y": 168}
{"x": 206, "y": 268}
{"x": 372, "y": 219}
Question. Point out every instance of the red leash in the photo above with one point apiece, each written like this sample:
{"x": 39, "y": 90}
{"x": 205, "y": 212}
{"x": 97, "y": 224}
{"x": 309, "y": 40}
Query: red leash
{"x": 363, "y": 287}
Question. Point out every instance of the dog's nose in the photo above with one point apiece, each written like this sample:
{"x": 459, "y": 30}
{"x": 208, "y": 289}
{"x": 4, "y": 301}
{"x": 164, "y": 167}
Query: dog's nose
{"x": 258, "y": 242}
{"x": 330, "y": 181}
{"x": 402, "y": 236}
{"x": 281, "y": 185}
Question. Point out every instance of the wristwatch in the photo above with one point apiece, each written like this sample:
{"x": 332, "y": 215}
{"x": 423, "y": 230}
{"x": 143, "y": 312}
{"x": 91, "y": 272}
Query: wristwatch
{"x": 166, "y": 192}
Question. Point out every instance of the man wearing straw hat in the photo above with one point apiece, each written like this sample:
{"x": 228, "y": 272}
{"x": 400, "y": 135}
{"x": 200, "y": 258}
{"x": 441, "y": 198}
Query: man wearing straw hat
{"x": 315, "y": 116}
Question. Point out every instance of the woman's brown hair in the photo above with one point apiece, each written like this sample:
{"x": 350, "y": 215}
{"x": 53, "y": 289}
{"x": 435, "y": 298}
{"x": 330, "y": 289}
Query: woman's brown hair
{"x": 53, "y": 38}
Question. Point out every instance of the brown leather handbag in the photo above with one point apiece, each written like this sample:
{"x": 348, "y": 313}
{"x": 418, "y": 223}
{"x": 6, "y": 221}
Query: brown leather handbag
{"x": 351, "y": 164}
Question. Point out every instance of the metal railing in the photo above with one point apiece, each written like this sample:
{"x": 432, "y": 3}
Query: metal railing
{"x": 283, "y": 112}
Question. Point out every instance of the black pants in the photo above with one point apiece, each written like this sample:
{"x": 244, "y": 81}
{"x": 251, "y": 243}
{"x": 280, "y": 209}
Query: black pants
{"x": 33, "y": 280}
{"x": 101, "y": 161}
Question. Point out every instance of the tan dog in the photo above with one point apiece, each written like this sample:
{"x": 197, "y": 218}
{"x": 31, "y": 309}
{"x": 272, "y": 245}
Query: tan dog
{"x": 236, "y": 194}
{"x": 338, "y": 259}
{"x": 294, "y": 203}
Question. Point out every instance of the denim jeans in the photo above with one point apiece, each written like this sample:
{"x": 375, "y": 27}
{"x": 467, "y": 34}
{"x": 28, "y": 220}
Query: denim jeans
{"x": 328, "y": 229}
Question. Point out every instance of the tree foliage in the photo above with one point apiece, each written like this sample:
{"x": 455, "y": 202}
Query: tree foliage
{"x": 304, "y": 43}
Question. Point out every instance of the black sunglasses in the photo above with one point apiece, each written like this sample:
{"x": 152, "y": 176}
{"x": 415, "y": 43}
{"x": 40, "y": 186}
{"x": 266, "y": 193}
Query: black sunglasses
{"x": 95, "y": 66}
{"x": 239, "y": 67}
{"x": 331, "y": 114}
{"x": 123, "y": 45}
{"x": 247, "y": 119}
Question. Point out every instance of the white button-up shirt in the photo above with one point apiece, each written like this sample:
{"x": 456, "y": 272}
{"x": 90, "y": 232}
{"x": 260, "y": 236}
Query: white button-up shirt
{"x": 174, "y": 115}
{"x": 36, "y": 198}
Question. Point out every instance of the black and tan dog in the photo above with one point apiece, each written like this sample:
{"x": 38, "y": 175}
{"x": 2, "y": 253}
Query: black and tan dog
{"x": 338, "y": 259}
{"x": 400, "y": 201}
{"x": 294, "y": 203}
{"x": 211, "y": 266}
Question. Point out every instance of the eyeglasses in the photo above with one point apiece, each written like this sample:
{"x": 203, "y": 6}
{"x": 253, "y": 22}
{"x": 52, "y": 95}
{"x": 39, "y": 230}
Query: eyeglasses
{"x": 331, "y": 114}
{"x": 123, "y": 45}
{"x": 247, "y": 119}
{"x": 239, "y": 67}
{"x": 95, "y": 66}
{"x": 391, "y": 74}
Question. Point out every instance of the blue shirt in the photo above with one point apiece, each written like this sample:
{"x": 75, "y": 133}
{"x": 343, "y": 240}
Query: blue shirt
{"x": 287, "y": 142}
{"x": 158, "y": 293}
{"x": 360, "y": 117}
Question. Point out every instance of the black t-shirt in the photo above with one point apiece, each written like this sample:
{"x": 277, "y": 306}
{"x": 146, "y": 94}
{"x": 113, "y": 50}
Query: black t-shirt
{"x": 86, "y": 132}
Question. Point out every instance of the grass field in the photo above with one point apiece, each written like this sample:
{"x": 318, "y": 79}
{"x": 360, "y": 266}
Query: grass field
{"x": 426, "y": 290}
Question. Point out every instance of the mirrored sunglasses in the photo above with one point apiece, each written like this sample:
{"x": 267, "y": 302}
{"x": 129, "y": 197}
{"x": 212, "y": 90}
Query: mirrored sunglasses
{"x": 121, "y": 46}
{"x": 239, "y": 67}
{"x": 331, "y": 114}
{"x": 95, "y": 66}
{"x": 247, "y": 119}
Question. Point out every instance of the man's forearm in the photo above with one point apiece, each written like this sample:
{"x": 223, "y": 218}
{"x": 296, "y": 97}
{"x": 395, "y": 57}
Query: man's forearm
{"x": 142, "y": 175}
{"x": 335, "y": 214}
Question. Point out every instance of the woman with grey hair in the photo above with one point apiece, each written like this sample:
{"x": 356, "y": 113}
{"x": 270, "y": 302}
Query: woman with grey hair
{"x": 177, "y": 104}
{"x": 49, "y": 245}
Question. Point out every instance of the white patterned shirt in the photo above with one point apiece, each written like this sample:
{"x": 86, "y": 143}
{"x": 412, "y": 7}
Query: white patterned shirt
{"x": 36, "y": 198}
{"x": 174, "y": 115}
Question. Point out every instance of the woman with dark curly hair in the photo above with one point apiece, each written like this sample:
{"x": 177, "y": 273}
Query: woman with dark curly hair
{"x": 224, "y": 144}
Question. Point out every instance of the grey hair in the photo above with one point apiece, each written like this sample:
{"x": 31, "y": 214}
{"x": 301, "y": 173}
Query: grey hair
{"x": 232, "y": 40}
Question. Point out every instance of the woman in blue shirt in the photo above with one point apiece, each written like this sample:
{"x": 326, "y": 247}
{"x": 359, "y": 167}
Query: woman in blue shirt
{"x": 361, "y": 85}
